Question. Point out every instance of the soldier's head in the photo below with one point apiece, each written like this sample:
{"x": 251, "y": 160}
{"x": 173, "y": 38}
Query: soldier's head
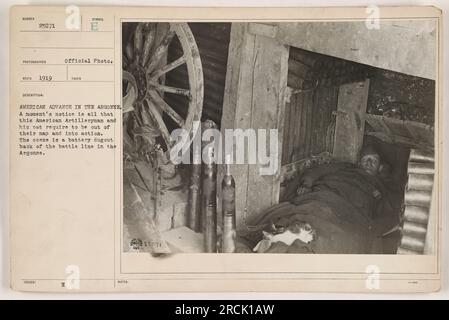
{"x": 370, "y": 160}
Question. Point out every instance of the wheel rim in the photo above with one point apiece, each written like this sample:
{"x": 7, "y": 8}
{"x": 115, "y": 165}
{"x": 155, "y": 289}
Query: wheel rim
{"x": 144, "y": 70}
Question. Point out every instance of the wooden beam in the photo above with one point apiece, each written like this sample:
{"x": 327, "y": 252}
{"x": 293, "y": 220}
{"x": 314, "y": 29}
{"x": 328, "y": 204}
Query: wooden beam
{"x": 404, "y": 46}
{"x": 350, "y": 122}
{"x": 255, "y": 95}
{"x": 263, "y": 29}
{"x": 240, "y": 46}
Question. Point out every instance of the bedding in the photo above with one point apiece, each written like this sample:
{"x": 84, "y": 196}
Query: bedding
{"x": 348, "y": 209}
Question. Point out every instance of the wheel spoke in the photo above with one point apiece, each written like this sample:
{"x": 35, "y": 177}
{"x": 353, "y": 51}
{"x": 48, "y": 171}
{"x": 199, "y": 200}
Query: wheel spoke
{"x": 138, "y": 42}
{"x": 174, "y": 90}
{"x": 125, "y": 61}
{"x": 157, "y": 100}
{"x": 129, "y": 52}
{"x": 136, "y": 115}
{"x": 159, "y": 121}
{"x": 130, "y": 78}
{"x": 160, "y": 51}
{"x": 148, "y": 44}
{"x": 147, "y": 117}
{"x": 172, "y": 65}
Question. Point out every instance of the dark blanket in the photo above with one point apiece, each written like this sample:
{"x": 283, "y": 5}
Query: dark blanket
{"x": 345, "y": 206}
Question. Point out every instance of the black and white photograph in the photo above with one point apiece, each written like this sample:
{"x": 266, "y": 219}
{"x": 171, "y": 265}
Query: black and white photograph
{"x": 305, "y": 137}
{"x": 228, "y": 150}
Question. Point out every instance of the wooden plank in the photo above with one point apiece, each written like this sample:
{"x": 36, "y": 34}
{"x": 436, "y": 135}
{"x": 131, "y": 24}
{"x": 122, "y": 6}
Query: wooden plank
{"x": 287, "y": 142}
{"x": 263, "y": 29}
{"x": 385, "y": 137}
{"x": 309, "y": 123}
{"x": 281, "y": 75}
{"x": 397, "y": 127}
{"x": 350, "y": 122}
{"x": 269, "y": 83}
{"x": 422, "y": 132}
{"x": 322, "y": 107}
{"x": 235, "y": 112}
{"x": 400, "y": 141}
{"x": 410, "y": 133}
{"x": 301, "y": 146}
{"x": 330, "y": 131}
{"x": 377, "y": 123}
{"x": 298, "y": 69}
{"x": 254, "y": 98}
{"x": 302, "y": 56}
{"x": 295, "y": 124}
{"x": 295, "y": 114}
{"x": 295, "y": 82}
{"x": 330, "y": 106}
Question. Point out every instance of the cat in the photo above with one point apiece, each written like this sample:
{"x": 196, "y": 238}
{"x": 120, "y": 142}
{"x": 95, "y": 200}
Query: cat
{"x": 302, "y": 231}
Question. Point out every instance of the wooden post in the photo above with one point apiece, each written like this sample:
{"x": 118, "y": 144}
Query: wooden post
{"x": 350, "y": 122}
{"x": 256, "y": 84}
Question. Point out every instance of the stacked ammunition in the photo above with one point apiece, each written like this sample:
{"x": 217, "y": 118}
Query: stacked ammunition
{"x": 203, "y": 199}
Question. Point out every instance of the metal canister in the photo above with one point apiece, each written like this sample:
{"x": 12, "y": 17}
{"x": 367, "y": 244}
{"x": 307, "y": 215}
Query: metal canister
{"x": 195, "y": 191}
{"x": 228, "y": 207}
{"x": 209, "y": 190}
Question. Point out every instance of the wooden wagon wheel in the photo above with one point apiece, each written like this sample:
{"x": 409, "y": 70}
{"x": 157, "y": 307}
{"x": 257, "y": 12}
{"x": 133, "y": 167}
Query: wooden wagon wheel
{"x": 145, "y": 66}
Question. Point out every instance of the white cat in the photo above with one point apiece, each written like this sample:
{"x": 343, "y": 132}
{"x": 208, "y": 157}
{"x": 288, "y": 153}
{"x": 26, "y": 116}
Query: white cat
{"x": 297, "y": 231}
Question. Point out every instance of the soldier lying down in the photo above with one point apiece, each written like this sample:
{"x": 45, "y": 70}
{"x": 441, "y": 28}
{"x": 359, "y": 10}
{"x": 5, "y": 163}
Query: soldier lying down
{"x": 333, "y": 208}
